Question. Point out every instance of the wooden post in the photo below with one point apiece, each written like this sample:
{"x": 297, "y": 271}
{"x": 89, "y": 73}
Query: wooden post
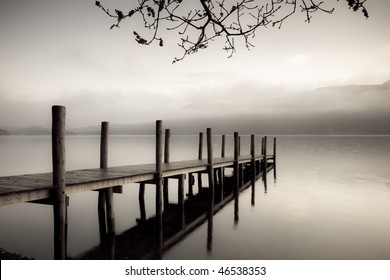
{"x": 141, "y": 200}
{"x": 181, "y": 200}
{"x": 223, "y": 146}
{"x": 240, "y": 166}
{"x": 210, "y": 163}
{"x": 211, "y": 188}
{"x": 239, "y": 145}
{"x": 237, "y": 176}
{"x": 166, "y": 160}
{"x": 265, "y": 154}
{"x": 274, "y": 158}
{"x": 200, "y": 156}
{"x": 190, "y": 184}
{"x": 159, "y": 178}
{"x": 109, "y": 197}
{"x": 104, "y": 145}
{"x": 167, "y": 144}
{"x": 102, "y": 193}
{"x": 265, "y": 159}
{"x": 236, "y": 165}
{"x": 222, "y": 170}
{"x": 262, "y": 146}
{"x": 58, "y": 158}
{"x": 200, "y": 151}
{"x": 274, "y": 149}
{"x": 253, "y": 162}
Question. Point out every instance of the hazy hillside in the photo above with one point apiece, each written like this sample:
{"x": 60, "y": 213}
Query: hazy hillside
{"x": 3, "y": 132}
{"x": 353, "y": 109}
{"x": 33, "y": 130}
{"x": 331, "y": 110}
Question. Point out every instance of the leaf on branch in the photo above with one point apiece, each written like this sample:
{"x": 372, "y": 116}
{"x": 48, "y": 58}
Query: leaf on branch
{"x": 131, "y": 13}
{"x": 161, "y": 44}
{"x": 139, "y": 39}
{"x": 150, "y": 11}
{"x": 119, "y": 14}
{"x": 97, "y": 3}
{"x": 365, "y": 12}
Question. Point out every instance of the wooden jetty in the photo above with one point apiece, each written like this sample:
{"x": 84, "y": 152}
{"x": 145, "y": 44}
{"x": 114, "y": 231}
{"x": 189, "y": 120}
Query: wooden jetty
{"x": 163, "y": 229}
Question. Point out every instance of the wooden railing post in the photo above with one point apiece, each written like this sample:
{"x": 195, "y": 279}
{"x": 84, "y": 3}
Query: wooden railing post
{"x": 222, "y": 170}
{"x": 210, "y": 163}
{"x": 223, "y": 145}
{"x": 265, "y": 155}
{"x": 108, "y": 192}
{"x": 265, "y": 161}
{"x": 274, "y": 158}
{"x": 200, "y": 156}
{"x": 211, "y": 187}
{"x": 236, "y": 176}
{"x": 102, "y": 193}
{"x": 166, "y": 160}
{"x": 104, "y": 145}
{"x": 253, "y": 163}
{"x": 236, "y": 164}
{"x": 274, "y": 151}
{"x": 159, "y": 183}
{"x": 58, "y": 158}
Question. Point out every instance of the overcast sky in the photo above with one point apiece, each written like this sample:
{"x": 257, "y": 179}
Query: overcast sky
{"x": 63, "y": 52}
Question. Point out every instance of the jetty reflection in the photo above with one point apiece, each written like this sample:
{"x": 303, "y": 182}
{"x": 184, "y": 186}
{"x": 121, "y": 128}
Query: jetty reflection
{"x": 178, "y": 219}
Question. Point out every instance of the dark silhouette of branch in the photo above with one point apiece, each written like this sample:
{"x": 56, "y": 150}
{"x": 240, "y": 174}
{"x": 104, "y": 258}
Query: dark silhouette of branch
{"x": 199, "y": 22}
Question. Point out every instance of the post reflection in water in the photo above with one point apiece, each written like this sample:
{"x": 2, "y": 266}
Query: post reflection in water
{"x": 210, "y": 225}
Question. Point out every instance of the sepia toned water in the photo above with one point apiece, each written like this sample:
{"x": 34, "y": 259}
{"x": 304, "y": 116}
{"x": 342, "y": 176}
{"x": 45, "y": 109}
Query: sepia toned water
{"x": 330, "y": 200}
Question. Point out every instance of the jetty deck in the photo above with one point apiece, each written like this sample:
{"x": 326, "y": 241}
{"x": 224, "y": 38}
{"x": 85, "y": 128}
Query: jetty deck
{"x": 53, "y": 188}
{"x": 32, "y": 187}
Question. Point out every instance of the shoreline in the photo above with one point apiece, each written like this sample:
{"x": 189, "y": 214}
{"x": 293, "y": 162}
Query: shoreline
{"x": 6, "y": 255}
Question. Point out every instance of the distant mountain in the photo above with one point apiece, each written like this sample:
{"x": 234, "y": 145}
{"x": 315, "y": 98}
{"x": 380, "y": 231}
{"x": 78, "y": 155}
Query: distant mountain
{"x": 32, "y": 130}
{"x": 3, "y": 132}
{"x": 354, "y": 109}
{"x": 351, "y": 109}
{"x": 118, "y": 129}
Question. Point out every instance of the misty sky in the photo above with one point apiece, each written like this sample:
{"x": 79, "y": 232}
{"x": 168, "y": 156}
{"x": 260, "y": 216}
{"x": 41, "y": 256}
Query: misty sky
{"x": 63, "y": 52}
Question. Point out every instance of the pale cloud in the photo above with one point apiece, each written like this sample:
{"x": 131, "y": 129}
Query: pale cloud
{"x": 297, "y": 59}
{"x": 385, "y": 49}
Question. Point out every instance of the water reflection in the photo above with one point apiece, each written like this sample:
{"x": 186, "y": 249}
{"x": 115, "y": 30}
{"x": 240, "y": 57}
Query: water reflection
{"x": 179, "y": 220}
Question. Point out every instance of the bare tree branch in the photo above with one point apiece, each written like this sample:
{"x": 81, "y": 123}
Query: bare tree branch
{"x": 199, "y": 22}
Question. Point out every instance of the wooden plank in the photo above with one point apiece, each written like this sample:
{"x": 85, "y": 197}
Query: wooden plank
{"x": 24, "y": 196}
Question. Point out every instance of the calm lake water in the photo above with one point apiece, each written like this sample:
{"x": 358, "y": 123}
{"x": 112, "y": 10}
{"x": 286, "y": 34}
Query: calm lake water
{"x": 331, "y": 199}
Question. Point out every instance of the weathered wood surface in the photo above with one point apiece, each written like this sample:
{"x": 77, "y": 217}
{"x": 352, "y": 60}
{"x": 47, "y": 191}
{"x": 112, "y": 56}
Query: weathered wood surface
{"x": 22, "y": 188}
